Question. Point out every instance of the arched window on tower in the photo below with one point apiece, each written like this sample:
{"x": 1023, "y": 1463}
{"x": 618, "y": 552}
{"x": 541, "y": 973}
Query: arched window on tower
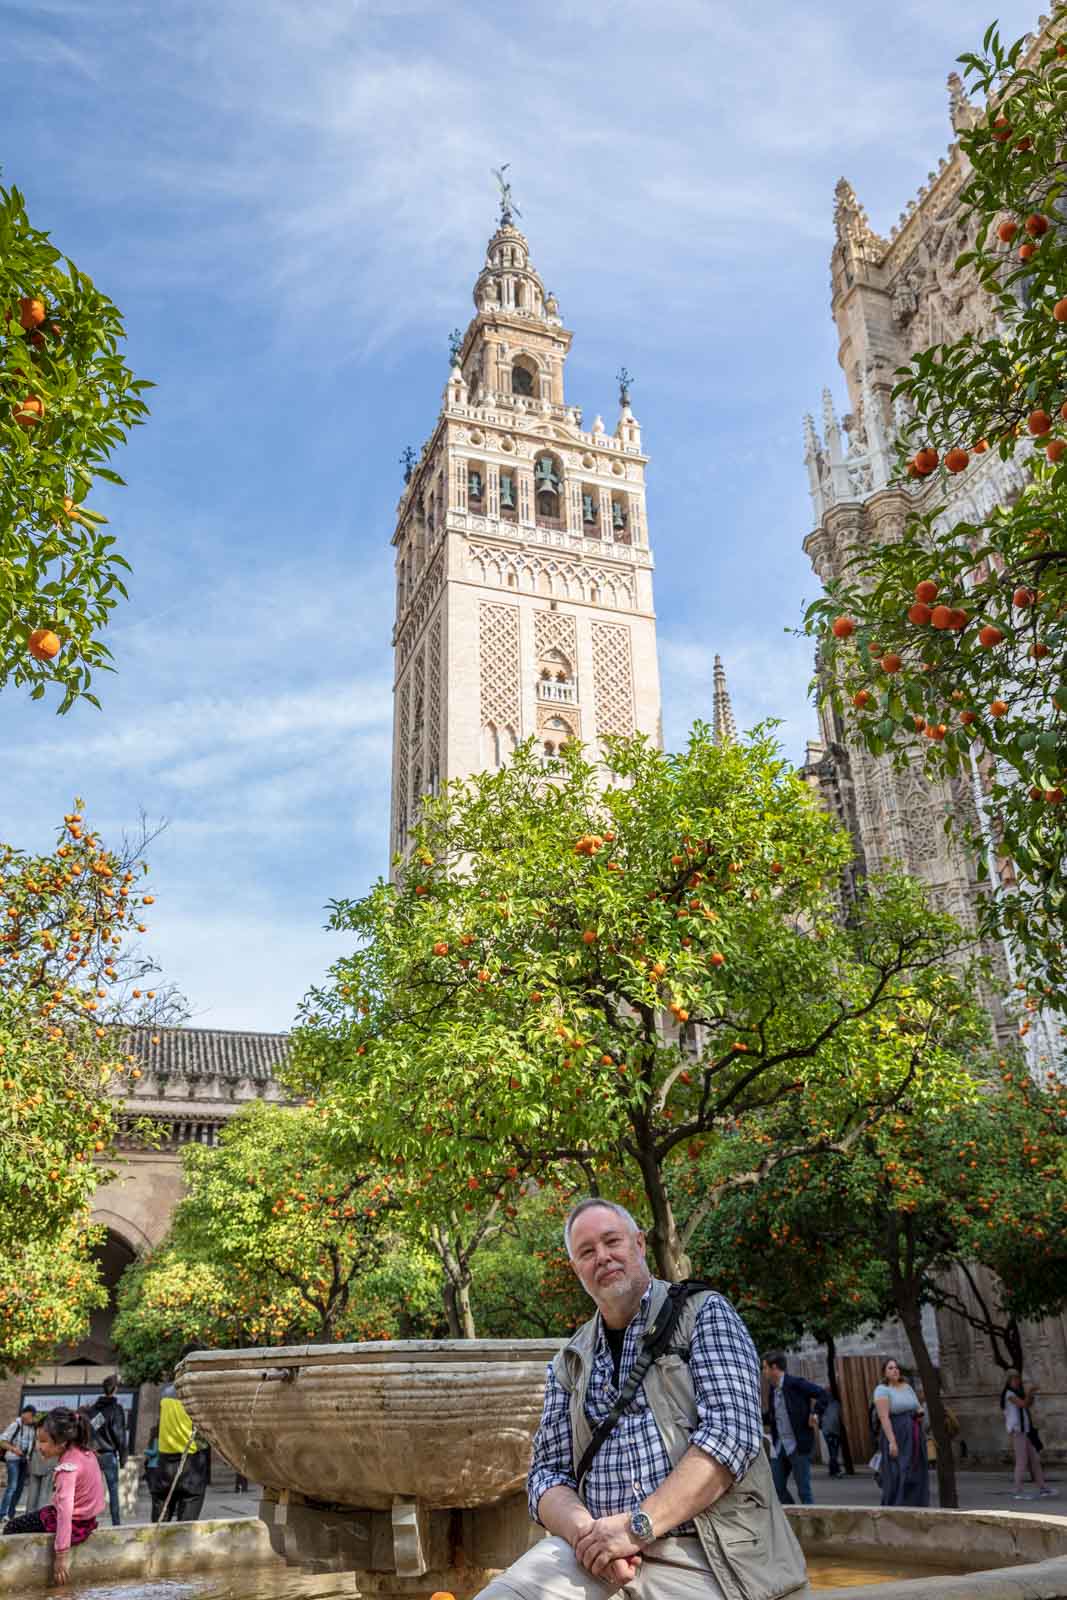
{"x": 475, "y": 487}
{"x": 523, "y": 376}
{"x": 548, "y": 491}
{"x": 620, "y": 519}
{"x": 557, "y": 732}
{"x": 590, "y": 511}
{"x": 508, "y": 505}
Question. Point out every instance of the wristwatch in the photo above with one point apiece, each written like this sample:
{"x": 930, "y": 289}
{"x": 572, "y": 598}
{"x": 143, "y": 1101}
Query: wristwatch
{"x": 641, "y": 1526}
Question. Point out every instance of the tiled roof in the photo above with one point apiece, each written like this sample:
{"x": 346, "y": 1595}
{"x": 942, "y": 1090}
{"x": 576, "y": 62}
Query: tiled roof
{"x": 209, "y": 1052}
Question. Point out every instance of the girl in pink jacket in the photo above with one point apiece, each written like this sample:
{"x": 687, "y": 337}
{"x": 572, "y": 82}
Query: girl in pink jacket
{"x": 78, "y": 1486}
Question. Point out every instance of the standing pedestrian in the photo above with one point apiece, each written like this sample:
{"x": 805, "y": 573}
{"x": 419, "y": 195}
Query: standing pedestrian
{"x": 1016, "y": 1400}
{"x": 647, "y": 1471}
{"x": 65, "y": 1437}
{"x": 789, "y": 1416}
{"x": 904, "y": 1468}
{"x": 108, "y": 1418}
{"x": 184, "y": 1469}
{"x": 830, "y": 1428}
{"x": 16, "y": 1442}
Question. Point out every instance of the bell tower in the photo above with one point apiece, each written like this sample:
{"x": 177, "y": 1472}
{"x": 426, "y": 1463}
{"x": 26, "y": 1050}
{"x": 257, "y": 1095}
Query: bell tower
{"x": 523, "y": 569}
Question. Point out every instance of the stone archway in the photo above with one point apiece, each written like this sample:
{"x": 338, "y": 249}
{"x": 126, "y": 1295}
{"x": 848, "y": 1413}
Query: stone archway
{"x": 113, "y": 1255}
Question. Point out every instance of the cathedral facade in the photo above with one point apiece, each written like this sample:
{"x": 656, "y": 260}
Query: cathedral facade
{"x": 523, "y": 568}
{"x": 890, "y": 298}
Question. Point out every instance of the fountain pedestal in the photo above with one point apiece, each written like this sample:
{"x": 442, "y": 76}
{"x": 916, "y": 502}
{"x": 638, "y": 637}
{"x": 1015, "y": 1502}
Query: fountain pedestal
{"x": 406, "y": 1552}
{"x": 403, "y": 1463}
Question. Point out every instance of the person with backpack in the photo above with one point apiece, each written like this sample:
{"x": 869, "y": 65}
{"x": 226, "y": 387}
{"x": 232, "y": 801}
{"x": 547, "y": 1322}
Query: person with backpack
{"x": 108, "y": 1418}
{"x": 16, "y": 1445}
{"x": 648, "y": 1469}
{"x": 66, "y": 1438}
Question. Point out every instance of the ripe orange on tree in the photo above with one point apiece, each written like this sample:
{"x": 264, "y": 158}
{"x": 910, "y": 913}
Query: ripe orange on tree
{"x": 43, "y": 644}
{"x": 31, "y": 313}
{"x": 842, "y": 627}
{"x": 957, "y": 459}
{"x": 926, "y": 591}
{"x": 28, "y": 412}
{"x": 1038, "y": 422}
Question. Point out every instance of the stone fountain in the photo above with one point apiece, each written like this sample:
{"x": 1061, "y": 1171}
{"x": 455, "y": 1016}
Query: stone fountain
{"x": 403, "y": 1465}
{"x": 403, "y": 1462}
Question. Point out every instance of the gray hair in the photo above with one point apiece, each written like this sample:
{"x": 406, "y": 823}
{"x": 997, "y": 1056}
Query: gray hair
{"x": 587, "y": 1205}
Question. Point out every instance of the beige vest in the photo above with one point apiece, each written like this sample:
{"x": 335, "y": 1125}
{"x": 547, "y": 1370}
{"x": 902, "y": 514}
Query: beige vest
{"x": 749, "y": 1545}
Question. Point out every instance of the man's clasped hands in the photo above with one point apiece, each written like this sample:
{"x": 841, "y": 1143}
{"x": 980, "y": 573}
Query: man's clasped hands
{"x": 607, "y": 1548}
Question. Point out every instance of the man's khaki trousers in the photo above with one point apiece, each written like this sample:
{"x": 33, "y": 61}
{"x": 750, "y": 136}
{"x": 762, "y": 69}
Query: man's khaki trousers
{"x": 671, "y": 1569}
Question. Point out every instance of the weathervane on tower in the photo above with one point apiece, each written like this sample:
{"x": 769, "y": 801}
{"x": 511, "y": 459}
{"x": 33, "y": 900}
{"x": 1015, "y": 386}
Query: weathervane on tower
{"x": 624, "y": 381}
{"x": 508, "y": 208}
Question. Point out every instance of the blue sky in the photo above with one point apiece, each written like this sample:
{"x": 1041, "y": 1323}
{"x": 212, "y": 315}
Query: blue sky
{"x": 291, "y": 204}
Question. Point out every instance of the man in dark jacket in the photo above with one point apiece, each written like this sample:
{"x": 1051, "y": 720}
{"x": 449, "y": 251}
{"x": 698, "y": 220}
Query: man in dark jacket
{"x": 792, "y": 1436}
{"x": 108, "y": 1418}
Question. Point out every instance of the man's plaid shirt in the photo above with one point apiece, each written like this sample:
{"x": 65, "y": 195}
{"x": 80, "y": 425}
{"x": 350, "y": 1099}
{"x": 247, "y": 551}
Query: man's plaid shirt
{"x": 726, "y": 1380}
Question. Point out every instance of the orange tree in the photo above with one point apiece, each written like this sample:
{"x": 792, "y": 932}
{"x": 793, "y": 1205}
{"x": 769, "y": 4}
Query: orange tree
{"x": 67, "y": 988}
{"x": 67, "y": 400}
{"x": 273, "y": 1243}
{"x": 607, "y": 964}
{"x": 904, "y": 1220}
{"x": 948, "y": 648}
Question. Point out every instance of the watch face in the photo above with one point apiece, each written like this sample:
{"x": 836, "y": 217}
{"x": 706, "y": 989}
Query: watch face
{"x": 641, "y": 1525}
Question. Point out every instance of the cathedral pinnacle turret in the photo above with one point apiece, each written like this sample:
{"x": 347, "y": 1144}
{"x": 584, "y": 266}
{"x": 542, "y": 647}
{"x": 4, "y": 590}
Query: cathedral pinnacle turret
{"x": 723, "y": 726}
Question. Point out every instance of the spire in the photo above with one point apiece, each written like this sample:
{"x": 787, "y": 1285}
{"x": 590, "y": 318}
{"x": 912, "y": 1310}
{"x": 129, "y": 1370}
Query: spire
{"x": 723, "y": 726}
{"x": 963, "y": 114}
{"x": 854, "y": 232}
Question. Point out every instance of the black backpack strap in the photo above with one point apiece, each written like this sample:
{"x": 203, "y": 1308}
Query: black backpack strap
{"x": 655, "y": 1343}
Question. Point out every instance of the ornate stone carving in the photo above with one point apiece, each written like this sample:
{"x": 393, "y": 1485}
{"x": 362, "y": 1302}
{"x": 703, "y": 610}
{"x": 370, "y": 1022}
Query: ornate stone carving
{"x": 433, "y": 691}
{"x": 498, "y": 664}
{"x": 403, "y": 763}
{"x": 546, "y": 574}
{"x": 555, "y": 630}
{"x": 613, "y": 691}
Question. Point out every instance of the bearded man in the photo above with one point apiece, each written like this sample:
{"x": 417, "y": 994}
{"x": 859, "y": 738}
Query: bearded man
{"x": 668, "y": 1495}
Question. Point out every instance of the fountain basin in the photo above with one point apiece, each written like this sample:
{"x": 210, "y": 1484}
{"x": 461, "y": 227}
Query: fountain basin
{"x": 448, "y": 1423}
{"x": 961, "y": 1555}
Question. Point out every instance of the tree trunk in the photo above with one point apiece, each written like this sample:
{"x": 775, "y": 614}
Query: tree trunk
{"x": 832, "y": 1384}
{"x": 910, "y": 1313}
{"x": 668, "y": 1253}
{"x": 456, "y": 1286}
{"x": 463, "y": 1307}
{"x": 448, "y": 1295}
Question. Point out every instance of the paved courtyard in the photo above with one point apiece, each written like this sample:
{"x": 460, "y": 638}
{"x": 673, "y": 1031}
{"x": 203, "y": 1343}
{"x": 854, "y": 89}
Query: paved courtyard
{"x": 979, "y": 1491}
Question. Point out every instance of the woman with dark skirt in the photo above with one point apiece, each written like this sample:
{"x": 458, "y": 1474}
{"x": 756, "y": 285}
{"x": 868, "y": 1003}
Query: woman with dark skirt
{"x": 66, "y": 1437}
{"x": 904, "y": 1471}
